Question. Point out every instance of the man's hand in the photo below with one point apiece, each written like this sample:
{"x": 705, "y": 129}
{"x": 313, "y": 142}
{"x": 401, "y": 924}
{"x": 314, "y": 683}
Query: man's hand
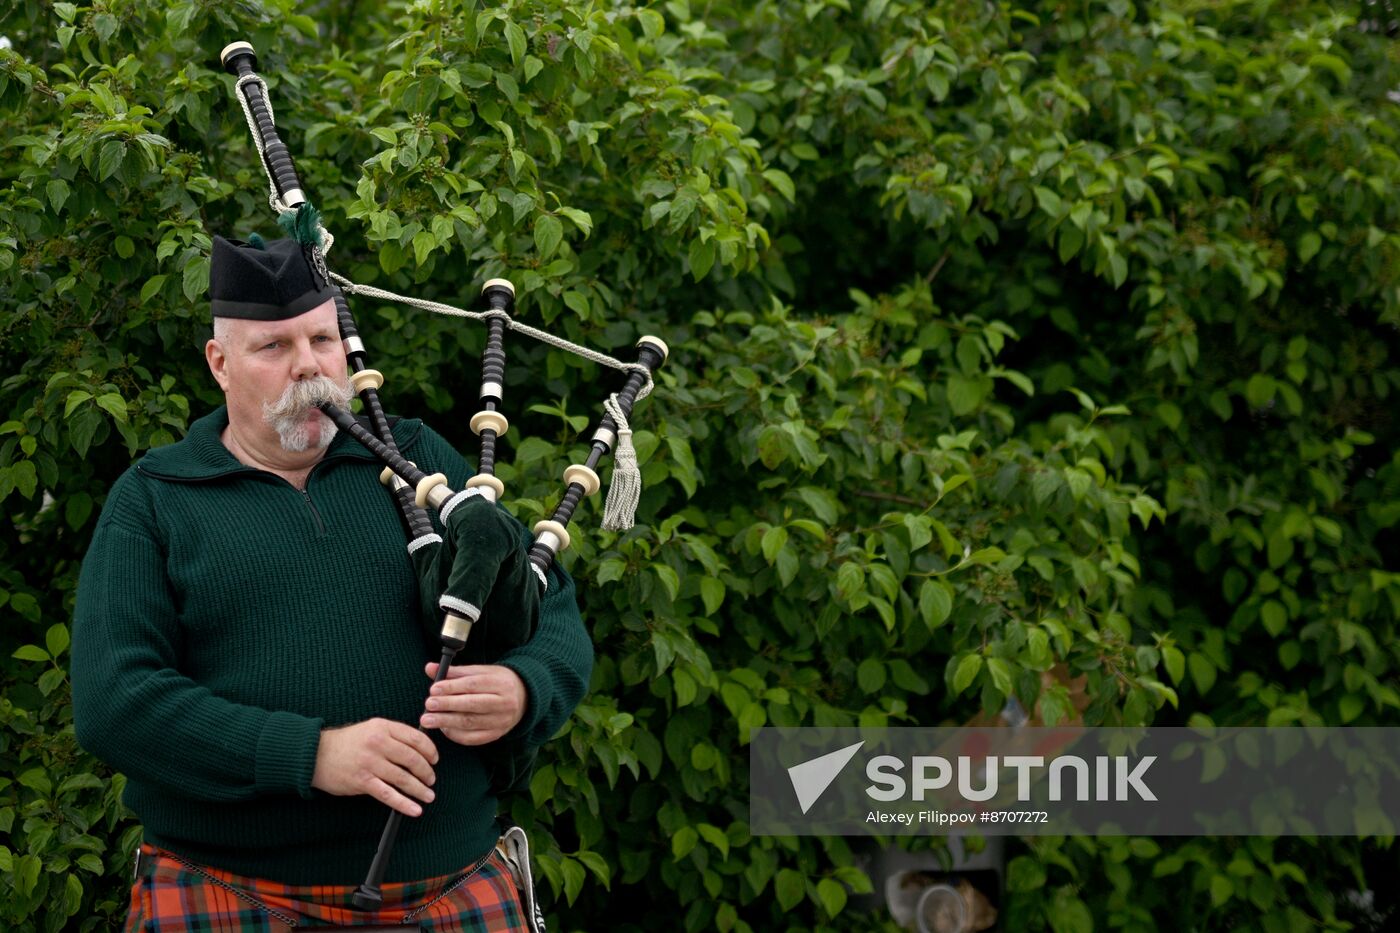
{"x": 475, "y": 703}
{"x": 391, "y": 761}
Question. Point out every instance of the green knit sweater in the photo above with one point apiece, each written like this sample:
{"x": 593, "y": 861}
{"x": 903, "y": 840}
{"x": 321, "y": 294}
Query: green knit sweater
{"x": 225, "y": 617}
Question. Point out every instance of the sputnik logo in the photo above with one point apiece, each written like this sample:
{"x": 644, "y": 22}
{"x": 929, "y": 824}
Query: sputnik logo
{"x": 811, "y": 778}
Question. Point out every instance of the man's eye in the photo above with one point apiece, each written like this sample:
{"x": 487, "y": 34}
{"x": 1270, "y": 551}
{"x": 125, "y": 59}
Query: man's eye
{"x": 271, "y": 346}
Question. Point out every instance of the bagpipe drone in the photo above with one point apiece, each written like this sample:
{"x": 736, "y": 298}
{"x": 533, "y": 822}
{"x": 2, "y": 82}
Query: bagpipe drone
{"x": 481, "y": 560}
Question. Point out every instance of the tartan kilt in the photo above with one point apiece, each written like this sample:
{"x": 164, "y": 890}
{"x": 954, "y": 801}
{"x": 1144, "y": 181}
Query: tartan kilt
{"x": 172, "y": 894}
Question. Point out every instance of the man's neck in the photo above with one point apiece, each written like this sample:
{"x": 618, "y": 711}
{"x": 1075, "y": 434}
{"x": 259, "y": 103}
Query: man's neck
{"x": 293, "y": 467}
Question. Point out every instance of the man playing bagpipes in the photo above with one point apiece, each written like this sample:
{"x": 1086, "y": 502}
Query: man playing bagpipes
{"x": 250, "y": 641}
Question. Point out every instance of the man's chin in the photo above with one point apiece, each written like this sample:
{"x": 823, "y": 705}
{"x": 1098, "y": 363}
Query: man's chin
{"x": 313, "y": 433}
{"x": 326, "y": 434}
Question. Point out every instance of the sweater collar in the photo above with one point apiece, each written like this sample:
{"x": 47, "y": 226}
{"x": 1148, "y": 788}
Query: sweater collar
{"x": 202, "y": 455}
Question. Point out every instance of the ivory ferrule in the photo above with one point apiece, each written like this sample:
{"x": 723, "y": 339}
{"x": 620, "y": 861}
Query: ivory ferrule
{"x": 228, "y": 50}
{"x": 658, "y": 344}
{"x": 389, "y": 478}
{"x": 437, "y": 496}
{"x": 432, "y": 490}
{"x": 366, "y": 379}
{"x": 491, "y": 487}
{"x": 584, "y": 476}
{"x": 493, "y": 420}
{"x": 552, "y": 535}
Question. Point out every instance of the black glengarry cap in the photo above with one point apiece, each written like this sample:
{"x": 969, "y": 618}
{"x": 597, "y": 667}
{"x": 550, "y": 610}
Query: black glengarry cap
{"x": 260, "y": 281}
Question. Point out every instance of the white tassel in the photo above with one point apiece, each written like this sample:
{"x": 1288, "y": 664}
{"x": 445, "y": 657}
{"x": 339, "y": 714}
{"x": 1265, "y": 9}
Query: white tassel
{"x": 625, "y": 489}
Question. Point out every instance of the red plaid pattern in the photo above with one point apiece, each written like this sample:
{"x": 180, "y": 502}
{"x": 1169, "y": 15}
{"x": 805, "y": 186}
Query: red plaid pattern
{"x": 171, "y": 895}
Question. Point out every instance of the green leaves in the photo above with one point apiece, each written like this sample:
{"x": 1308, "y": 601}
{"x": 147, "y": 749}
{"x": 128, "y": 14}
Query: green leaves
{"x": 684, "y": 841}
{"x": 58, "y": 192}
{"x": 965, "y": 672}
{"x": 1068, "y": 913}
{"x": 964, "y": 394}
{"x": 781, "y": 182}
{"x": 56, "y": 640}
{"x": 832, "y": 896}
{"x": 870, "y": 675}
{"x": 110, "y": 159}
{"x": 1203, "y": 672}
{"x": 580, "y": 219}
{"x": 548, "y": 232}
{"x": 152, "y": 287}
{"x": 790, "y": 888}
{"x": 859, "y": 467}
{"x": 194, "y": 279}
{"x": 712, "y": 593}
{"x": 1049, "y": 202}
{"x": 822, "y": 502}
{"x": 702, "y": 258}
{"x": 653, "y": 24}
{"x": 31, "y": 653}
{"x": 515, "y": 38}
{"x": 773, "y": 541}
{"x": 935, "y": 603}
{"x": 1025, "y": 874}
{"x": 1308, "y": 245}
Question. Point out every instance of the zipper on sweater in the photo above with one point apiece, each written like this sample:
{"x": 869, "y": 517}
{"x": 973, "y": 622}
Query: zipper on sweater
{"x": 320, "y": 525}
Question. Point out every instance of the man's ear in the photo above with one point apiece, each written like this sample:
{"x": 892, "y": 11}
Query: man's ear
{"x": 217, "y": 359}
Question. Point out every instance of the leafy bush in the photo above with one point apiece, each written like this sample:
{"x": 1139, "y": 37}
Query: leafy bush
{"x": 76, "y": 852}
{"x": 1003, "y": 338}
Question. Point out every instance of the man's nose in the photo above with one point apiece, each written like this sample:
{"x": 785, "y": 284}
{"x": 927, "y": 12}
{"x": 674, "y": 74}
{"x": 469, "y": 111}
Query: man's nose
{"x": 304, "y": 364}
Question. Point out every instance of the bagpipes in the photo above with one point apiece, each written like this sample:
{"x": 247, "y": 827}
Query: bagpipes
{"x": 481, "y": 563}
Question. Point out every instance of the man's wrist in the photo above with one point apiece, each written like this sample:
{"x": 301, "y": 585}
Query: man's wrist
{"x": 525, "y": 671}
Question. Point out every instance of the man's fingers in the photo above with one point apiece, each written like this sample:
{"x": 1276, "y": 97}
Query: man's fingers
{"x": 411, "y": 749}
{"x": 408, "y": 759}
{"x": 404, "y": 734}
{"x": 456, "y": 672}
{"x": 488, "y": 682}
{"x": 388, "y": 760}
{"x": 478, "y": 703}
{"x": 467, "y": 722}
{"x": 475, "y": 736}
{"x": 404, "y": 781}
{"x": 405, "y": 757}
{"x": 475, "y": 704}
{"x": 380, "y": 790}
{"x": 453, "y": 670}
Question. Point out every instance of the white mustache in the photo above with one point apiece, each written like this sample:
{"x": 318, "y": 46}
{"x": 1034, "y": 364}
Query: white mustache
{"x": 287, "y": 415}
{"x": 304, "y": 394}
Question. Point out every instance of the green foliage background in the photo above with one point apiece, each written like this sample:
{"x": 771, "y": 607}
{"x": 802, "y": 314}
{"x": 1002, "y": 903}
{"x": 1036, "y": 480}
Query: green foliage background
{"x": 1003, "y": 336}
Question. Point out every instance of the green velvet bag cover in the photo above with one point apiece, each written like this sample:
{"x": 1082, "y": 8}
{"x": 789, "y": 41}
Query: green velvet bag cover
{"x": 483, "y": 562}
